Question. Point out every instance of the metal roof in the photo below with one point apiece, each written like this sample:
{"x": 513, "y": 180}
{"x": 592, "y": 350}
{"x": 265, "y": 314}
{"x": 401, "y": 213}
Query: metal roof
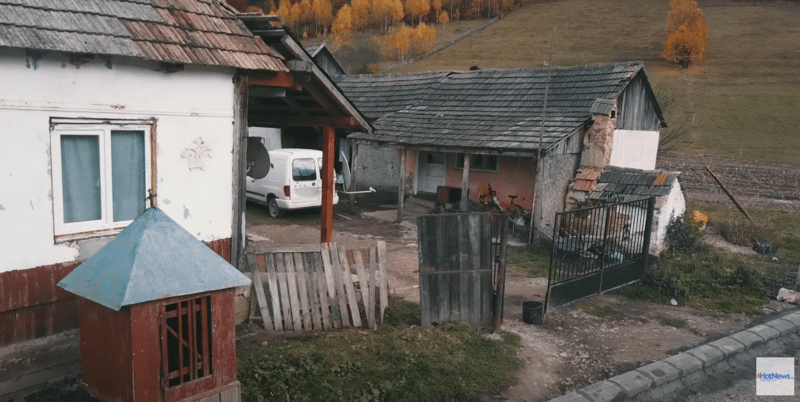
{"x": 203, "y": 32}
{"x": 153, "y": 258}
{"x": 483, "y": 109}
{"x": 638, "y": 182}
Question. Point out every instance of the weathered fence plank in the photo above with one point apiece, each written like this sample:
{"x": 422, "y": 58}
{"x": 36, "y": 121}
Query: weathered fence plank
{"x": 259, "y": 288}
{"x": 341, "y": 296}
{"x": 273, "y": 292}
{"x": 322, "y": 289}
{"x": 363, "y": 283}
{"x": 299, "y": 270}
{"x": 326, "y": 264}
{"x": 384, "y": 283}
{"x": 348, "y": 283}
{"x": 284, "y": 288}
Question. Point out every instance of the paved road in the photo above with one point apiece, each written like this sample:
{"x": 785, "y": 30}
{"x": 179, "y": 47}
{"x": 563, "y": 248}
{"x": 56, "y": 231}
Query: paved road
{"x": 744, "y": 391}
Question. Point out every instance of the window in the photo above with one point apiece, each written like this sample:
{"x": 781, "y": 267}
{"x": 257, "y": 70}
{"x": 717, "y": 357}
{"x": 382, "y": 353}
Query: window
{"x": 100, "y": 175}
{"x": 304, "y": 170}
{"x": 186, "y": 341}
{"x": 479, "y": 162}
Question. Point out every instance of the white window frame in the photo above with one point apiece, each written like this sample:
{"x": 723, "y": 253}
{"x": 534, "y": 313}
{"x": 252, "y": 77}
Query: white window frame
{"x": 105, "y": 225}
{"x": 460, "y": 161}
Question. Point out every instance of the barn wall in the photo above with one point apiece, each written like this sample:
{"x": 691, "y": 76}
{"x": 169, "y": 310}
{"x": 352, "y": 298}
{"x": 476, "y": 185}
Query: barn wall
{"x": 635, "y": 149}
{"x": 377, "y": 168}
{"x": 636, "y": 106}
{"x": 186, "y": 105}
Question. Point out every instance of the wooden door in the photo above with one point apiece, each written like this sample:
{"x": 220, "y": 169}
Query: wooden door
{"x": 432, "y": 169}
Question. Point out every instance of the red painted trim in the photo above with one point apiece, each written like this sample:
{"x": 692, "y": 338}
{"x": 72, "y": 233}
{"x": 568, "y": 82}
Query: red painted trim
{"x": 32, "y": 306}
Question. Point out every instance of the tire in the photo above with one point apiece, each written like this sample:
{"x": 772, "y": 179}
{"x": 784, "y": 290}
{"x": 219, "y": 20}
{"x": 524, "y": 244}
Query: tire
{"x": 274, "y": 210}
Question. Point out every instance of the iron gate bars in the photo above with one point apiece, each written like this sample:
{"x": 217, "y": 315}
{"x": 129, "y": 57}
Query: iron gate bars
{"x": 598, "y": 249}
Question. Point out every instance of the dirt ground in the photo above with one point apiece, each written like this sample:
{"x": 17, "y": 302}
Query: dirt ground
{"x": 576, "y": 346}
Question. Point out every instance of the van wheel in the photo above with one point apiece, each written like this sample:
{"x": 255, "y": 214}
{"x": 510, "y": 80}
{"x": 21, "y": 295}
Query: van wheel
{"x": 274, "y": 210}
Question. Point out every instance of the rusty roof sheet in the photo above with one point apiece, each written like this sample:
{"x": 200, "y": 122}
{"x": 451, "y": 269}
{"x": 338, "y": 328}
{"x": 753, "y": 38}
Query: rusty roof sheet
{"x": 590, "y": 174}
{"x": 584, "y": 185}
{"x": 203, "y": 32}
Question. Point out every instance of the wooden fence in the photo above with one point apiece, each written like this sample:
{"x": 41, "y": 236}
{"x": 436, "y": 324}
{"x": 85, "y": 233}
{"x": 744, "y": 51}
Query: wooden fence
{"x": 462, "y": 261}
{"x": 312, "y": 287}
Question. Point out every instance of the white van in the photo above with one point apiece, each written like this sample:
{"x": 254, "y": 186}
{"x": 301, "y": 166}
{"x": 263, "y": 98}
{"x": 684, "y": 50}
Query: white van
{"x": 294, "y": 181}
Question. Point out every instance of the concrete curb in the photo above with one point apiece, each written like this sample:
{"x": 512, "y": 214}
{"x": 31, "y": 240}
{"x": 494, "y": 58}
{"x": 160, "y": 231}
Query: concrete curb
{"x": 699, "y": 368}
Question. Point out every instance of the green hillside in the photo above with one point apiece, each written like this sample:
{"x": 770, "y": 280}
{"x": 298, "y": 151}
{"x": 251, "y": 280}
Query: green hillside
{"x": 742, "y": 100}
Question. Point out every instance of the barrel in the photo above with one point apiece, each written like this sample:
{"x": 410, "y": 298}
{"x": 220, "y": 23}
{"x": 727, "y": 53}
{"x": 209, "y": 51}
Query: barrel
{"x": 532, "y": 312}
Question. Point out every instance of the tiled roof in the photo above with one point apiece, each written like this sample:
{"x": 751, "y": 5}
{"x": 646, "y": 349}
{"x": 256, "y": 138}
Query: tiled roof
{"x": 486, "y": 109}
{"x": 204, "y": 32}
{"x": 634, "y": 182}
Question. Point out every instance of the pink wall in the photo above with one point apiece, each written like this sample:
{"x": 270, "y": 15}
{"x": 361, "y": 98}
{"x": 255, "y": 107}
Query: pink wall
{"x": 515, "y": 177}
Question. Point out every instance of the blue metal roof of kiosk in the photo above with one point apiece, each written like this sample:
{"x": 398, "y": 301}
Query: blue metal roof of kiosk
{"x": 153, "y": 258}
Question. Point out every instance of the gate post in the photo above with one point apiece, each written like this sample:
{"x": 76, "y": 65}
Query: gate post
{"x": 648, "y": 229}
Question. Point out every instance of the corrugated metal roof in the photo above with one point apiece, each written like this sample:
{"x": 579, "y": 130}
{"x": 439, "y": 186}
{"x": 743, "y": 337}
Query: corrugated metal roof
{"x": 203, "y": 32}
{"x": 644, "y": 183}
{"x": 153, "y": 258}
{"x": 488, "y": 109}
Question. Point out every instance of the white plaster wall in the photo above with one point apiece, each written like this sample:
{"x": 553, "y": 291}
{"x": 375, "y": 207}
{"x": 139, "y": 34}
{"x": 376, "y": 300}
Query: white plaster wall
{"x": 197, "y": 102}
{"x": 635, "y": 149}
{"x": 271, "y": 136}
{"x": 673, "y": 206}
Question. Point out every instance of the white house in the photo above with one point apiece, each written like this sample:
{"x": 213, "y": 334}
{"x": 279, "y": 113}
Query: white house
{"x": 103, "y": 103}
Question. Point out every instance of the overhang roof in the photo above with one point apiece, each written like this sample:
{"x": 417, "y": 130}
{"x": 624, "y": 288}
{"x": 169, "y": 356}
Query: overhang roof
{"x": 153, "y": 258}
{"x": 202, "y": 32}
{"x": 495, "y": 110}
{"x": 630, "y": 183}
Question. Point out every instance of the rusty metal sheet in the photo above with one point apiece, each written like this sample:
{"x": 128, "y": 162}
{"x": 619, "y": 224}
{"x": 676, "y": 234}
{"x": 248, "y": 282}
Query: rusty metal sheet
{"x": 590, "y": 174}
{"x": 584, "y": 185}
{"x": 661, "y": 179}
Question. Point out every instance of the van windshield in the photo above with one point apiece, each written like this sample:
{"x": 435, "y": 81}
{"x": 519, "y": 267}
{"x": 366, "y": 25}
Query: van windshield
{"x": 304, "y": 170}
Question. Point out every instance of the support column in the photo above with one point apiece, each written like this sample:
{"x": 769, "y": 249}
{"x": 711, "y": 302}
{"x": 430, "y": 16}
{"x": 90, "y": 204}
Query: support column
{"x": 353, "y": 170}
{"x": 401, "y": 170}
{"x": 465, "y": 185}
{"x": 240, "y": 83}
{"x": 326, "y": 230}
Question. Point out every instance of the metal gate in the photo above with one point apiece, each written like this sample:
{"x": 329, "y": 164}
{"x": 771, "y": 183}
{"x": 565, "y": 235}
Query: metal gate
{"x": 462, "y": 262}
{"x": 598, "y": 249}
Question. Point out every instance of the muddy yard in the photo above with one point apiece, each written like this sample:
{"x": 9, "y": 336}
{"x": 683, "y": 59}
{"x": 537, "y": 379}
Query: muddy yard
{"x": 576, "y": 346}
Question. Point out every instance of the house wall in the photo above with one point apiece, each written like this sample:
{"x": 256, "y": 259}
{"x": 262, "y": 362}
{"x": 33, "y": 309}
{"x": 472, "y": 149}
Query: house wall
{"x": 635, "y": 149}
{"x": 557, "y": 171}
{"x": 185, "y": 105}
{"x": 514, "y": 177}
{"x": 271, "y": 136}
{"x": 667, "y": 207}
{"x": 377, "y": 168}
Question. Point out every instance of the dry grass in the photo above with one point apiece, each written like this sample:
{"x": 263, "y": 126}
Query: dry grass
{"x": 743, "y": 98}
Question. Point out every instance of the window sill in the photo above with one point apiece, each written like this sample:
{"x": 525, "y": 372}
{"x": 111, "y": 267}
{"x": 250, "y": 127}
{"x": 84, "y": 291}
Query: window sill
{"x": 66, "y": 238}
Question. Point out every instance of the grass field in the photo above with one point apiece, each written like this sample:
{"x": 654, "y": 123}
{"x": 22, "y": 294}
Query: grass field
{"x": 742, "y": 100}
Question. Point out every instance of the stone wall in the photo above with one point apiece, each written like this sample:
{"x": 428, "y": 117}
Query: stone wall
{"x": 599, "y": 140}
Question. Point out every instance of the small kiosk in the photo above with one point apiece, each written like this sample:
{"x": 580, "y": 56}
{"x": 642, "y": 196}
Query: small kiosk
{"x": 156, "y": 316}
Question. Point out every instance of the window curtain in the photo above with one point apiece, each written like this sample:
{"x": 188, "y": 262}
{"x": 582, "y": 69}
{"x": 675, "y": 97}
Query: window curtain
{"x": 80, "y": 171}
{"x": 128, "y": 174}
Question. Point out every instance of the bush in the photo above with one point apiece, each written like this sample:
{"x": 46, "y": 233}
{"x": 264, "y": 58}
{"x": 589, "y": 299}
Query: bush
{"x": 684, "y": 236}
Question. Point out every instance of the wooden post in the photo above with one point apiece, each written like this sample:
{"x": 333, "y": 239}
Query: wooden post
{"x": 326, "y": 230}
{"x": 535, "y": 206}
{"x": 401, "y": 170}
{"x": 239, "y": 168}
{"x": 465, "y": 185}
{"x": 725, "y": 189}
{"x": 353, "y": 171}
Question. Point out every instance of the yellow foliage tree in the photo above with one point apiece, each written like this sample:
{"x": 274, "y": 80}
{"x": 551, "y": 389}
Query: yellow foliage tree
{"x": 296, "y": 15}
{"x": 306, "y": 14}
{"x": 285, "y": 12}
{"x": 254, "y": 9}
{"x": 418, "y": 8}
{"x": 397, "y": 43}
{"x": 360, "y": 14}
{"x": 444, "y": 18}
{"x": 423, "y": 38}
{"x": 437, "y": 7}
{"x": 342, "y": 27}
{"x": 686, "y": 33}
{"x": 389, "y": 12}
{"x": 323, "y": 14}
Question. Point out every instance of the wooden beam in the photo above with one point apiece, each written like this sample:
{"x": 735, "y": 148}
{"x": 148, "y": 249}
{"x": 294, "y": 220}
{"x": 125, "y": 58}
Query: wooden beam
{"x": 299, "y": 121}
{"x": 239, "y": 167}
{"x": 353, "y": 171}
{"x": 320, "y": 98}
{"x": 402, "y": 190}
{"x": 326, "y": 231}
{"x": 465, "y": 185}
{"x": 279, "y": 79}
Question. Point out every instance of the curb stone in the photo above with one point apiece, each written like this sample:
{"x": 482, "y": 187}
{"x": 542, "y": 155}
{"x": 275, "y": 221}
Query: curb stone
{"x": 695, "y": 367}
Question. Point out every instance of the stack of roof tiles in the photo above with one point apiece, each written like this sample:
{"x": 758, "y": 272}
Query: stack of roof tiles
{"x": 203, "y": 32}
{"x": 633, "y": 184}
{"x": 486, "y": 109}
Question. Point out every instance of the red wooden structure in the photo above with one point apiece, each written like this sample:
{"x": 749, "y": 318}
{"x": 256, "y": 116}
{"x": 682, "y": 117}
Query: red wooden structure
{"x": 156, "y": 317}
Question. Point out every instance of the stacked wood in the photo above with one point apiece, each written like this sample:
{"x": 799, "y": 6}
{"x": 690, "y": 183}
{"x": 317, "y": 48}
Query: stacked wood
{"x": 313, "y": 287}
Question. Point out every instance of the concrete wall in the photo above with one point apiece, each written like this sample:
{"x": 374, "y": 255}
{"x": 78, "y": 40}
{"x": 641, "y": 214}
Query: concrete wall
{"x": 377, "y": 168}
{"x": 271, "y": 136}
{"x": 667, "y": 207}
{"x": 186, "y": 105}
{"x": 635, "y": 149}
{"x": 557, "y": 171}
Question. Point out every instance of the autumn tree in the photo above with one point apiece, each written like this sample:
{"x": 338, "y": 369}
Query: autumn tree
{"x": 296, "y": 15}
{"x": 506, "y": 5}
{"x": 422, "y": 38}
{"x": 323, "y": 14}
{"x": 306, "y": 13}
{"x": 254, "y": 9}
{"x": 444, "y": 18}
{"x": 239, "y": 5}
{"x": 389, "y": 12}
{"x": 475, "y": 8}
{"x": 342, "y": 27}
{"x": 397, "y": 43}
{"x": 285, "y": 11}
{"x": 437, "y": 8}
{"x": 418, "y": 8}
{"x": 686, "y": 36}
{"x": 360, "y": 14}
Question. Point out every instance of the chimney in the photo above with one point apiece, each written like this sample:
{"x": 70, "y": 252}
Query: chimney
{"x": 599, "y": 138}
